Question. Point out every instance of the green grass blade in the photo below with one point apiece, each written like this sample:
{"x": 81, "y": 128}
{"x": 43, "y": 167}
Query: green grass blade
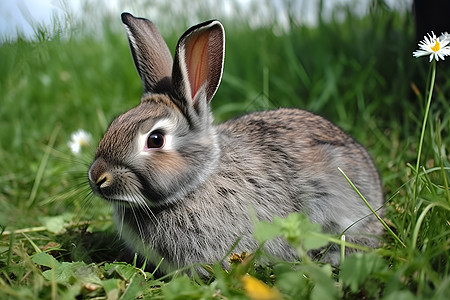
{"x": 43, "y": 164}
{"x": 372, "y": 210}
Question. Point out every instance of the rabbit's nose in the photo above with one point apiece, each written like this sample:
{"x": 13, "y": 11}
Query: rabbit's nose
{"x": 104, "y": 180}
{"x": 101, "y": 183}
{"x": 99, "y": 176}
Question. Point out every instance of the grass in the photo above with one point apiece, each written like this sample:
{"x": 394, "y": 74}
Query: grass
{"x": 358, "y": 72}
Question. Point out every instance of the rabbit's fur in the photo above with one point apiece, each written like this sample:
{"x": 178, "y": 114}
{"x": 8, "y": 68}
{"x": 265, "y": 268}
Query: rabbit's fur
{"x": 189, "y": 201}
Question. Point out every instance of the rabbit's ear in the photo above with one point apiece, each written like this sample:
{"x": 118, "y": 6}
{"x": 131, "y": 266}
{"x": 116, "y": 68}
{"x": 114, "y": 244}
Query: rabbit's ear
{"x": 151, "y": 55}
{"x": 199, "y": 59}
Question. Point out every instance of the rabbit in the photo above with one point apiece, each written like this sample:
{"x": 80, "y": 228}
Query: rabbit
{"x": 185, "y": 189}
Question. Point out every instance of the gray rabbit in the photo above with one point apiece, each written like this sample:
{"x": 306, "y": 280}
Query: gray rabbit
{"x": 182, "y": 188}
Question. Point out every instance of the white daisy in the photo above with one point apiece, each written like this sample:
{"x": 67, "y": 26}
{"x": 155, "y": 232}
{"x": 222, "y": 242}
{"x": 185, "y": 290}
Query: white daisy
{"x": 437, "y": 47}
{"x": 78, "y": 140}
{"x": 445, "y": 36}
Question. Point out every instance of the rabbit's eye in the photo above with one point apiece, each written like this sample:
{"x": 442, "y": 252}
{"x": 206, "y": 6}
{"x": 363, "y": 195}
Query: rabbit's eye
{"x": 155, "y": 140}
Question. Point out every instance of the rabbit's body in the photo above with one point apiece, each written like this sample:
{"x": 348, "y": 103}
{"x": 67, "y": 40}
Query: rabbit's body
{"x": 183, "y": 189}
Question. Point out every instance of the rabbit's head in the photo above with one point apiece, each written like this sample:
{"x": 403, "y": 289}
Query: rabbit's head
{"x": 163, "y": 148}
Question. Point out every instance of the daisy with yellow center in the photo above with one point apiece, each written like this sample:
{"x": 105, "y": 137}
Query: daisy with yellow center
{"x": 78, "y": 140}
{"x": 437, "y": 47}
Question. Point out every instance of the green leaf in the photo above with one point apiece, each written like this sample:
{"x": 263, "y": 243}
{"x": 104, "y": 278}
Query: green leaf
{"x": 299, "y": 231}
{"x": 45, "y": 259}
{"x": 358, "y": 267}
{"x": 71, "y": 272}
{"x": 181, "y": 288}
{"x": 324, "y": 286}
{"x": 112, "y": 287}
{"x": 306, "y": 281}
{"x": 400, "y": 295}
{"x": 125, "y": 270}
{"x": 64, "y": 273}
{"x": 313, "y": 241}
{"x": 56, "y": 224}
{"x": 111, "y": 284}
{"x": 265, "y": 231}
{"x": 292, "y": 282}
{"x": 85, "y": 273}
{"x": 134, "y": 288}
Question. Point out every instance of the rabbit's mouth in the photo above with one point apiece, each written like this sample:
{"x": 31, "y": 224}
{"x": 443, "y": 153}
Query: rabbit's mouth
{"x": 127, "y": 197}
{"x": 121, "y": 200}
{"x": 118, "y": 202}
